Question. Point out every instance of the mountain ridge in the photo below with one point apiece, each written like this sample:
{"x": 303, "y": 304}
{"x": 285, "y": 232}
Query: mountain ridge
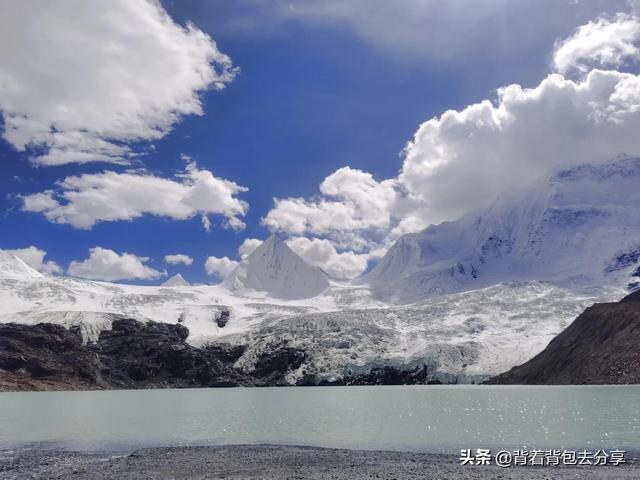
{"x": 542, "y": 234}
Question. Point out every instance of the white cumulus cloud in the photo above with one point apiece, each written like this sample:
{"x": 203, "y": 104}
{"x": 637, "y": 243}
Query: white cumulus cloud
{"x": 322, "y": 253}
{"x": 80, "y": 80}
{"x": 351, "y": 200}
{"x": 34, "y": 257}
{"x": 464, "y": 159}
{"x": 602, "y": 43}
{"x": 105, "y": 264}
{"x": 248, "y": 246}
{"x": 178, "y": 258}
{"x": 219, "y": 267}
{"x": 82, "y": 201}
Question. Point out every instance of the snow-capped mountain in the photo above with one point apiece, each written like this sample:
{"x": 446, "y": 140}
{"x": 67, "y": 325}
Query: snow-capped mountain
{"x": 277, "y": 270}
{"x": 12, "y": 267}
{"x": 460, "y": 337}
{"x": 175, "y": 281}
{"x": 524, "y": 268}
{"x": 579, "y": 228}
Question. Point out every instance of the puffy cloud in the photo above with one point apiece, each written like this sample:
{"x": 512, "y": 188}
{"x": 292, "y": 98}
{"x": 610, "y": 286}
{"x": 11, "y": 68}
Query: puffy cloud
{"x": 34, "y": 257}
{"x": 464, "y": 159}
{"x": 322, "y": 253}
{"x": 219, "y": 267}
{"x": 351, "y": 200}
{"x": 602, "y": 43}
{"x": 80, "y": 80}
{"x": 82, "y": 201}
{"x": 105, "y": 264}
{"x": 178, "y": 258}
{"x": 248, "y": 246}
{"x": 40, "y": 202}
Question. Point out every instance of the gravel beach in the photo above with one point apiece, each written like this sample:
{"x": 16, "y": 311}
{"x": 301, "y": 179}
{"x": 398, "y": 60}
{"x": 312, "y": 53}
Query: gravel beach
{"x": 274, "y": 462}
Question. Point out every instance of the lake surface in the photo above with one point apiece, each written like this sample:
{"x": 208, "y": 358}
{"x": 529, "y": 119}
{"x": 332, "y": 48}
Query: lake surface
{"x": 415, "y": 418}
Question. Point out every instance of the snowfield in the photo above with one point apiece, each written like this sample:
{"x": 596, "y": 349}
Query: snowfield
{"x": 461, "y": 337}
{"x": 468, "y": 299}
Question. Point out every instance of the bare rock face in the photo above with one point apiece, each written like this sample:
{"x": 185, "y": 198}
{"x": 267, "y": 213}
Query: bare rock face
{"x": 137, "y": 355}
{"x": 45, "y": 356}
{"x": 130, "y": 355}
{"x": 602, "y": 346}
{"x": 223, "y": 318}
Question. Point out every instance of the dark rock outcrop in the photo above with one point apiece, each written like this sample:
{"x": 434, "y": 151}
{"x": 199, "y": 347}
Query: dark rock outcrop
{"x": 223, "y": 318}
{"x": 137, "y": 355}
{"x": 602, "y": 346}
{"x": 380, "y": 375}
{"x": 273, "y": 366}
{"x": 45, "y": 356}
{"x": 130, "y": 355}
{"x": 387, "y": 375}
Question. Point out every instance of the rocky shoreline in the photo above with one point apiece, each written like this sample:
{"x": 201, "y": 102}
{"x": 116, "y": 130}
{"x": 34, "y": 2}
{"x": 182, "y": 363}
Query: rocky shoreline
{"x": 243, "y": 462}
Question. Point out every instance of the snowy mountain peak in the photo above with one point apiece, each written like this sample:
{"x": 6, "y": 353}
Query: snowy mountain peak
{"x": 277, "y": 270}
{"x": 13, "y": 267}
{"x": 176, "y": 281}
{"x": 580, "y": 227}
{"x": 621, "y": 167}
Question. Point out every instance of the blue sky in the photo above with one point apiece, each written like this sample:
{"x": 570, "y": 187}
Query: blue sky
{"x": 317, "y": 92}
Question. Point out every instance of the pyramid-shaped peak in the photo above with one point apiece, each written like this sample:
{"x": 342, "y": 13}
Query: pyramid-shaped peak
{"x": 176, "y": 281}
{"x": 276, "y": 269}
{"x": 13, "y": 267}
{"x": 274, "y": 242}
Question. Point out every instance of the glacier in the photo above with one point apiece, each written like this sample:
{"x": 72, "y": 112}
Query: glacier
{"x": 468, "y": 299}
{"x": 463, "y": 337}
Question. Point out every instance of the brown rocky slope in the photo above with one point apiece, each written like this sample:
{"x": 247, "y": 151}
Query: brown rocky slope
{"x": 602, "y": 346}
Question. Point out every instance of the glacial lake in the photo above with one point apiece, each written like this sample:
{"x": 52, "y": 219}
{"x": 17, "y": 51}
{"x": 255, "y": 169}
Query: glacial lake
{"x": 414, "y": 418}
